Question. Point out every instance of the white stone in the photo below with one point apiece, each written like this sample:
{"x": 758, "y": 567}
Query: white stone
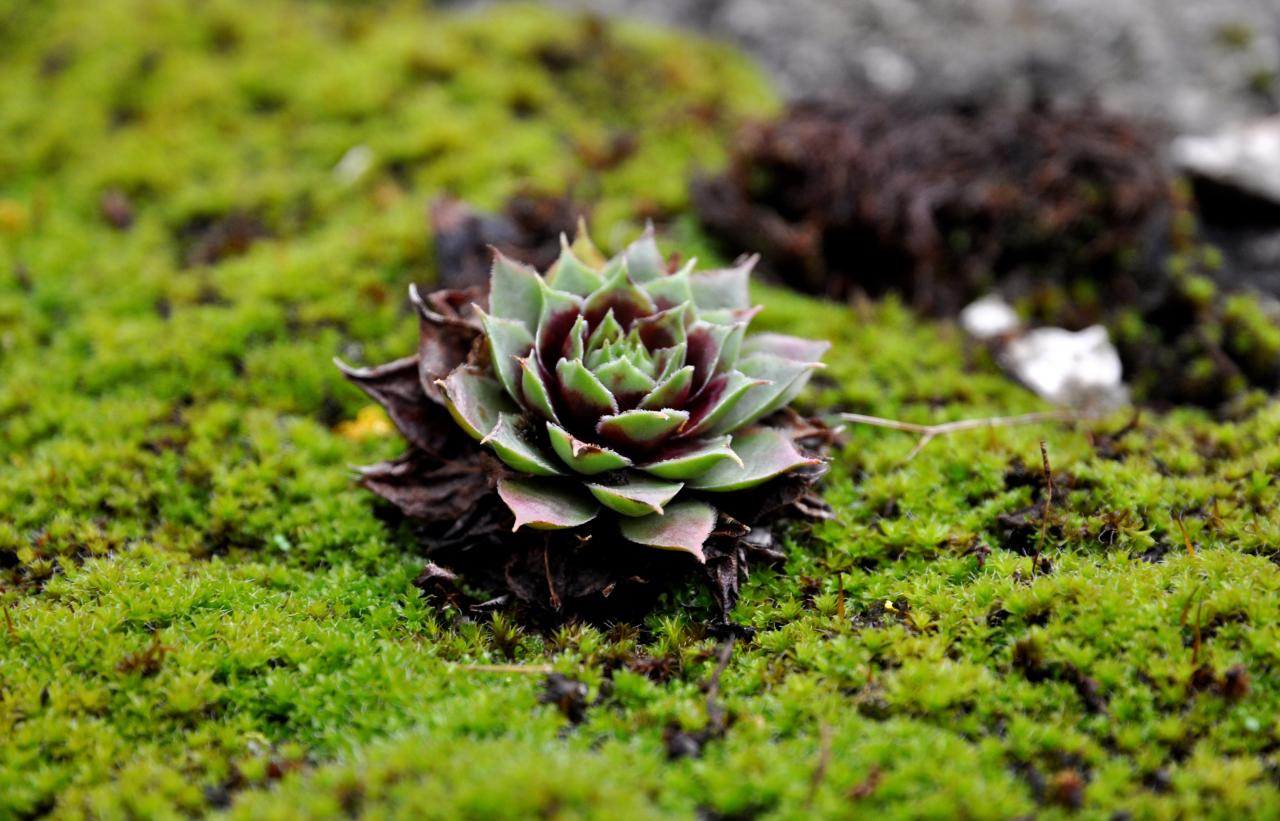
{"x": 1079, "y": 369}
{"x": 989, "y": 318}
{"x": 1246, "y": 157}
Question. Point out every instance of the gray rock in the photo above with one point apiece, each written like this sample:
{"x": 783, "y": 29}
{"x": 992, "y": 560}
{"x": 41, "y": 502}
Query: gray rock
{"x": 1192, "y": 64}
{"x": 1246, "y": 158}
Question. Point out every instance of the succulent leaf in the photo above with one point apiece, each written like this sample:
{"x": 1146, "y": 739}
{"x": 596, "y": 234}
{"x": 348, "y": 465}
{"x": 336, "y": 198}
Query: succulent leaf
{"x": 571, "y": 274}
{"x": 584, "y": 457}
{"x": 721, "y": 395}
{"x": 683, "y": 526}
{"x": 586, "y": 250}
{"x": 607, "y": 331}
{"x": 673, "y": 290}
{"x": 511, "y": 441}
{"x": 515, "y": 291}
{"x": 671, "y": 392}
{"x": 706, "y": 341}
{"x": 667, "y": 361}
{"x": 641, "y": 429}
{"x": 724, "y": 288}
{"x": 509, "y": 341}
{"x": 689, "y": 460}
{"x": 765, "y": 453}
{"x": 628, "y": 383}
{"x": 665, "y": 328}
{"x": 575, "y": 344}
{"x": 584, "y": 395}
{"x": 619, "y": 294}
{"x": 638, "y": 495}
{"x": 560, "y": 313}
{"x": 776, "y": 378}
{"x": 644, "y": 260}
{"x": 534, "y": 390}
{"x": 475, "y": 400}
{"x": 545, "y": 504}
{"x": 787, "y": 347}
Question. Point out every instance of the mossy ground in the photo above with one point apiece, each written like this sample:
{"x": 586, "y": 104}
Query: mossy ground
{"x": 202, "y": 610}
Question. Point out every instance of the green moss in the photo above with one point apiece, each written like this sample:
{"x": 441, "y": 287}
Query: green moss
{"x": 204, "y": 609}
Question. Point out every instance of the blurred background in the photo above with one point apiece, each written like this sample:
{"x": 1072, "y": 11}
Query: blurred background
{"x": 1081, "y": 162}
{"x": 1192, "y": 66}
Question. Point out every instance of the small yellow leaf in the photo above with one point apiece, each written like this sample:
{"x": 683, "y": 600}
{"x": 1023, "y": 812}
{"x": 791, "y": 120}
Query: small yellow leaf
{"x": 13, "y": 217}
{"x": 370, "y": 422}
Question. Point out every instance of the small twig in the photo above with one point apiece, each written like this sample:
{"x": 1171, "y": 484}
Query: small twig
{"x": 1186, "y": 608}
{"x": 546, "y": 564}
{"x": 8, "y": 623}
{"x": 716, "y": 718}
{"x": 525, "y": 669}
{"x": 929, "y": 432}
{"x": 1048, "y": 507}
{"x": 713, "y": 683}
{"x": 820, "y": 769}
{"x": 840, "y": 596}
{"x": 1191, "y": 549}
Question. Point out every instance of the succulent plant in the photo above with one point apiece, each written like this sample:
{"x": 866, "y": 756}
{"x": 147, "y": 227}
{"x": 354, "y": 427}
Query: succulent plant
{"x": 616, "y": 387}
{"x": 606, "y": 399}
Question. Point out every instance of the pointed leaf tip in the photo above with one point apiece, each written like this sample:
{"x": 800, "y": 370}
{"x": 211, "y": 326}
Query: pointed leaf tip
{"x": 515, "y": 291}
{"x": 765, "y": 454}
{"x": 635, "y": 495}
{"x": 684, "y": 526}
{"x": 545, "y": 504}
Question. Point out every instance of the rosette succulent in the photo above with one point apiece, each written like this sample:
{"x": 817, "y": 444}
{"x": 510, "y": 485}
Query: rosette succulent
{"x": 619, "y": 388}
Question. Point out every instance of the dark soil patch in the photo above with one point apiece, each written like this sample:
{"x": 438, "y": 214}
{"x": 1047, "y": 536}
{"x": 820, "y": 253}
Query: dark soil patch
{"x": 939, "y": 205}
{"x": 1068, "y": 213}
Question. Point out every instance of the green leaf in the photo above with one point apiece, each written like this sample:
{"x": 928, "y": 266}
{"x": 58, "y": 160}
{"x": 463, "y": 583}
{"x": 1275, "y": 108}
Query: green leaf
{"x": 733, "y": 343}
{"x": 787, "y": 347}
{"x": 781, "y": 379}
{"x": 515, "y": 291}
{"x": 672, "y": 392}
{"x": 509, "y": 341}
{"x": 534, "y": 389}
{"x": 512, "y": 443}
{"x": 644, "y": 260}
{"x": 665, "y": 328}
{"x": 544, "y": 504}
{"x": 724, "y": 288}
{"x": 667, "y": 361}
{"x": 691, "y": 459}
{"x": 475, "y": 400}
{"x": 717, "y": 401}
{"x": 625, "y": 381}
{"x": 584, "y": 249}
{"x": 685, "y": 526}
{"x": 584, "y": 395}
{"x": 570, "y": 274}
{"x": 575, "y": 345}
{"x": 619, "y": 294}
{"x": 584, "y": 457}
{"x": 636, "y": 495}
{"x": 672, "y": 290}
{"x": 607, "y": 331}
{"x": 765, "y": 453}
{"x": 639, "y": 429}
{"x": 560, "y": 313}
{"x": 705, "y": 343}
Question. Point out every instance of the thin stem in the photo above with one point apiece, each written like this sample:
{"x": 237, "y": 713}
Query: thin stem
{"x": 929, "y": 432}
{"x": 526, "y": 669}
